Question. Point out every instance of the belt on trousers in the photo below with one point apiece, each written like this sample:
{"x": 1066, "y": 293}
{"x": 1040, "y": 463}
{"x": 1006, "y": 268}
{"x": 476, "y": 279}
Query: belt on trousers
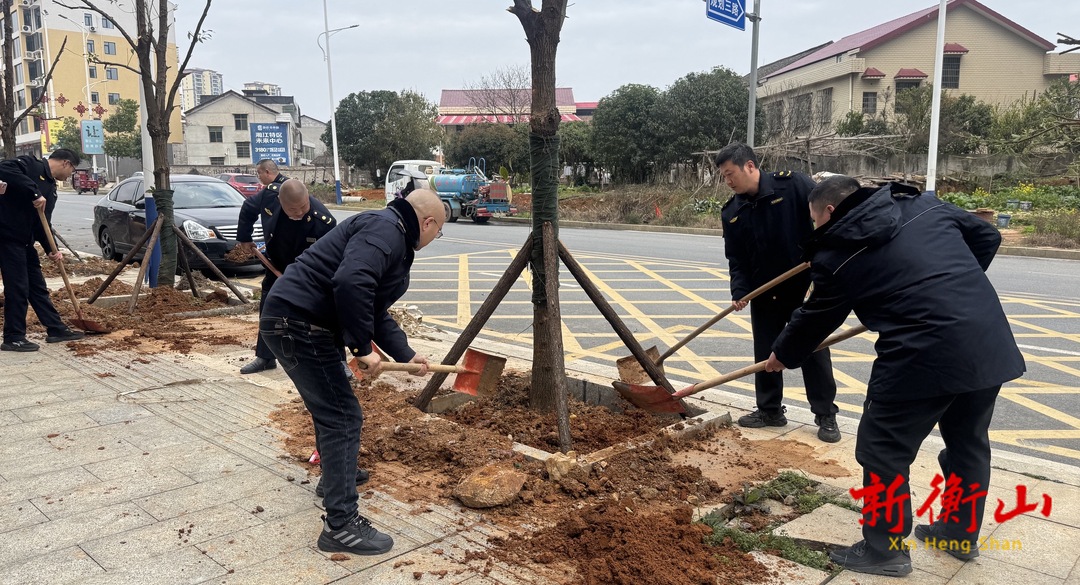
{"x": 285, "y": 323}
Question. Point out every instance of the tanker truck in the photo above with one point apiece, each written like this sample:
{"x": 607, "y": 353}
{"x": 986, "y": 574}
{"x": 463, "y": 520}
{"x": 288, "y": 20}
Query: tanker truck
{"x": 465, "y": 192}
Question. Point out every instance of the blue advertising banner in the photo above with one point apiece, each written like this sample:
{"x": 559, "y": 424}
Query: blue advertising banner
{"x": 270, "y": 141}
{"x": 93, "y": 137}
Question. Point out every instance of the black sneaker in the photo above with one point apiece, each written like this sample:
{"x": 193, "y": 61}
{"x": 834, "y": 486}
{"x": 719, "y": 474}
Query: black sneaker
{"x": 760, "y": 418}
{"x": 258, "y": 365}
{"x": 67, "y": 334}
{"x": 859, "y": 558}
{"x": 828, "y": 430}
{"x": 362, "y": 477}
{"x": 358, "y": 537}
{"x": 20, "y": 345}
{"x": 933, "y": 536}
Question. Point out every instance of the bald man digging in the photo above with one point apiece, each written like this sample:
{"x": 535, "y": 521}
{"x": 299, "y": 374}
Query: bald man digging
{"x": 292, "y": 221}
{"x": 342, "y": 287}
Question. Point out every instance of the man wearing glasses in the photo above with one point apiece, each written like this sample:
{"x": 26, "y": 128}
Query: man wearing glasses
{"x": 341, "y": 287}
{"x": 29, "y": 184}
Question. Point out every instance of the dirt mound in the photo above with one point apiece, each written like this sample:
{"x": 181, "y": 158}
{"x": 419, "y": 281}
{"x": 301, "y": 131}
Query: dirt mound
{"x": 90, "y": 266}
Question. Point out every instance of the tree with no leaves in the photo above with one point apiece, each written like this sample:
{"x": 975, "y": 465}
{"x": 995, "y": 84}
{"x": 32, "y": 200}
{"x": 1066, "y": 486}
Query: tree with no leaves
{"x": 9, "y": 119}
{"x": 149, "y": 42}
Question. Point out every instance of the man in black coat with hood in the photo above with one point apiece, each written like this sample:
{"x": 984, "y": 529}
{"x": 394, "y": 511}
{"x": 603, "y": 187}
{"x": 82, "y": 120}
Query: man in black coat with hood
{"x": 912, "y": 268}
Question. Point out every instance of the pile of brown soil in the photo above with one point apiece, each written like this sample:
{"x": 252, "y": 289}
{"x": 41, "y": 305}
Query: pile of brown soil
{"x": 90, "y": 266}
{"x": 592, "y": 428}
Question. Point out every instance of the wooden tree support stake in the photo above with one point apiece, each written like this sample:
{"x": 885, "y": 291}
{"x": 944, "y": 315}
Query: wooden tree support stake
{"x": 145, "y": 264}
{"x": 506, "y": 281}
{"x": 121, "y": 266}
{"x": 551, "y": 290}
{"x": 191, "y": 245}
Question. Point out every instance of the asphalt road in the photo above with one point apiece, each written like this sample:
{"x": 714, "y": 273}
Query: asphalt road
{"x": 665, "y": 285}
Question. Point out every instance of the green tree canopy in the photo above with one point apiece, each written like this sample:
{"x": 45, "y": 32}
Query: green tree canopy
{"x": 965, "y": 121}
{"x": 701, "y": 111}
{"x": 625, "y": 132}
{"x": 500, "y": 145}
{"x": 575, "y": 146}
{"x": 378, "y": 127}
{"x": 70, "y": 136}
{"x": 123, "y": 138}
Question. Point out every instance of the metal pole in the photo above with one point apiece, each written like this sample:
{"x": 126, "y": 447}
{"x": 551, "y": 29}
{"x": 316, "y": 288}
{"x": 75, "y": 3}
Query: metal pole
{"x": 751, "y": 116}
{"x": 935, "y": 112}
{"x": 333, "y": 106}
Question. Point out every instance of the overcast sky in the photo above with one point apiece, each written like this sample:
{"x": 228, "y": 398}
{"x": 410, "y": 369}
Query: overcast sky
{"x": 430, "y": 45}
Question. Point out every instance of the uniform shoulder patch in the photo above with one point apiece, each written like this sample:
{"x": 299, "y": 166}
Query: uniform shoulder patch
{"x": 273, "y": 186}
{"x": 267, "y": 211}
{"x": 327, "y": 218}
{"x": 783, "y": 175}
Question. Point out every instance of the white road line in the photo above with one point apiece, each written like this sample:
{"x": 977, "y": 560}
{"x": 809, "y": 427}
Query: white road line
{"x": 1049, "y": 349}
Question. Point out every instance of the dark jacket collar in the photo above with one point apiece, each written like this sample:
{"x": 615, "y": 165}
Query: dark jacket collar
{"x": 867, "y": 217}
{"x": 409, "y": 221}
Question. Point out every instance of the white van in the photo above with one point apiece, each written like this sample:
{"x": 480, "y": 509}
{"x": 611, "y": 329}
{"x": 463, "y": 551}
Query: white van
{"x": 396, "y": 179}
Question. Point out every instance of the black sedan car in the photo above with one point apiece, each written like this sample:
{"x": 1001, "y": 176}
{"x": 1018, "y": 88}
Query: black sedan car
{"x": 206, "y": 209}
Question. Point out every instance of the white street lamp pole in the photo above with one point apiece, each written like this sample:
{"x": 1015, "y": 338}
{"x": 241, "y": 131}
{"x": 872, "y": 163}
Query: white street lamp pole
{"x": 333, "y": 105}
{"x": 935, "y": 107}
{"x": 86, "y": 70}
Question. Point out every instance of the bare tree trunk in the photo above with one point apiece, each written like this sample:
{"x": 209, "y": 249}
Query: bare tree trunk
{"x": 542, "y": 30}
{"x": 7, "y": 95}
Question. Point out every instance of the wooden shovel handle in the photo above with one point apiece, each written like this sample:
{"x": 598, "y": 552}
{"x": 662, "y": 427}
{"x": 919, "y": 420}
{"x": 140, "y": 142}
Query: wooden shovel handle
{"x": 409, "y": 367}
{"x": 266, "y": 262}
{"x": 753, "y": 294}
{"x": 59, "y": 263}
{"x": 760, "y": 366}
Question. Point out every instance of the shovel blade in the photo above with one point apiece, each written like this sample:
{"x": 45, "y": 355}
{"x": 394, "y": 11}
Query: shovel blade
{"x": 650, "y": 398}
{"x": 631, "y": 372}
{"x": 89, "y": 326}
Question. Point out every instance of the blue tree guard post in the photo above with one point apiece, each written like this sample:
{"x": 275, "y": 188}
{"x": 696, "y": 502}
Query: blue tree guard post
{"x": 337, "y": 191}
{"x": 155, "y": 257}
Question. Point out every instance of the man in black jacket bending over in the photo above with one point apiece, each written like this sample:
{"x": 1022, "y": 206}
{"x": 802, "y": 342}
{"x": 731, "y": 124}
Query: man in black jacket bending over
{"x": 29, "y": 185}
{"x": 343, "y": 286}
{"x": 292, "y": 220}
{"x": 912, "y": 268}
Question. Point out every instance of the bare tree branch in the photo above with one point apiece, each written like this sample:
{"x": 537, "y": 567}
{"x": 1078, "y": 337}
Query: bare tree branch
{"x": 113, "y": 64}
{"x": 196, "y": 38}
{"x": 45, "y": 83}
{"x": 87, "y": 4}
{"x": 525, "y": 12}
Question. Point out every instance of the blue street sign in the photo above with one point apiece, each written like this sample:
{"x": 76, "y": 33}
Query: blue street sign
{"x": 270, "y": 141}
{"x": 729, "y": 12}
{"x": 93, "y": 137}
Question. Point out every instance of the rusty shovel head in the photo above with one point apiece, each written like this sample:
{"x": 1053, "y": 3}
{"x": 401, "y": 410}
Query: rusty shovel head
{"x": 631, "y": 372}
{"x": 650, "y": 398}
{"x": 481, "y": 375}
{"x": 89, "y": 326}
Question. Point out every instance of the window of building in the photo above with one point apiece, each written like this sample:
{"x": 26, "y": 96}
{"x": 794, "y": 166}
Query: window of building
{"x": 840, "y": 58}
{"x": 35, "y": 94}
{"x": 112, "y": 73}
{"x": 869, "y": 102}
{"x": 904, "y": 84}
{"x": 24, "y": 127}
{"x": 215, "y": 134}
{"x": 243, "y": 150}
{"x": 217, "y": 161}
{"x": 33, "y": 42}
{"x": 106, "y": 23}
{"x": 774, "y": 116}
{"x": 241, "y": 123}
{"x": 14, "y": 21}
{"x": 94, "y": 98}
{"x": 93, "y": 71}
{"x": 950, "y": 72}
{"x": 88, "y": 19}
{"x": 803, "y": 108}
{"x": 20, "y": 99}
{"x": 18, "y": 50}
{"x": 825, "y": 105}
{"x": 18, "y": 74}
{"x": 110, "y": 48}
{"x": 37, "y": 124}
{"x": 90, "y": 46}
{"x": 114, "y": 99}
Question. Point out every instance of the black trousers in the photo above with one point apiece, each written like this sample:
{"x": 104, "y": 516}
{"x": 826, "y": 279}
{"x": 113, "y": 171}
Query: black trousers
{"x": 890, "y": 434}
{"x": 24, "y": 286}
{"x": 261, "y": 351}
{"x": 768, "y": 316}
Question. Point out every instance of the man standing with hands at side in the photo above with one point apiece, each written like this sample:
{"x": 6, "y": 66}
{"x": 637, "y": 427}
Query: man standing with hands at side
{"x": 764, "y": 223}
{"x": 292, "y": 221}
{"x": 343, "y": 286}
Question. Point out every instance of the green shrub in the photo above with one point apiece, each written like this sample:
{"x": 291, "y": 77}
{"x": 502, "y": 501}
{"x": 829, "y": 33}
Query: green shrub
{"x": 1060, "y": 228}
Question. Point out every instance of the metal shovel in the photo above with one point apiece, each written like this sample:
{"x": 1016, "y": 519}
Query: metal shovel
{"x": 79, "y": 322}
{"x": 478, "y": 376}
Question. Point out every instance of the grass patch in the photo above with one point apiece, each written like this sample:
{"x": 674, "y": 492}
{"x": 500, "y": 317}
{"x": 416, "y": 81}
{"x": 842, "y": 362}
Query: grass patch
{"x": 807, "y": 496}
{"x": 781, "y": 546}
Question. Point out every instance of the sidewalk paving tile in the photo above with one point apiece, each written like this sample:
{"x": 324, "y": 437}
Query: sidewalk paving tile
{"x": 200, "y": 461}
{"x": 15, "y": 515}
{"x": 91, "y": 496}
{"x": 58, "y": 460}
{"x": 300, "y": 567}
{"x": 917, "y": 577}
{"x": 47, "y": 426}
{"x": 1045, "y": 546}
{"x": 59, "y": 534}
{"x": 70, "y": 565}
{"x": 206, "y": 494}
{"x": 26, "y": 488}
{"x": 119, "y": 550}
{"x": 283, "y": 500}
{"x": 187, "y": 565}
{"x": 989, "y": 571}
{"x": 786, "y": 572}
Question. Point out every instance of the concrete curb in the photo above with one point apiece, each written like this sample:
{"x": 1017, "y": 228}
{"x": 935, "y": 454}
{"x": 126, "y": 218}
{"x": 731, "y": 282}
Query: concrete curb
{"x": 1027, "y": 252}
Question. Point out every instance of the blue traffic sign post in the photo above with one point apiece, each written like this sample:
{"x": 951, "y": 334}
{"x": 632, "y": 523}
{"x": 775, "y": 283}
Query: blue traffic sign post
{"x": 155, "y": 256}
{"x": 729, "y": 12}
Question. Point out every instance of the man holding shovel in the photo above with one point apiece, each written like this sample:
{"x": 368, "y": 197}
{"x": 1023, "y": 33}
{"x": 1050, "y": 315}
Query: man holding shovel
{"x": 30, "y": 185}
{"x": 292, "y": 220}
{"x": 763, "y": 225}
{"x": 342, "y": 287}
{"x": 912, "y": 268}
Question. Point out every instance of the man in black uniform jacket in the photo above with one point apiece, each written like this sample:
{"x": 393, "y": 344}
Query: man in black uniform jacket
{"x": 912, "y": 268}
{"x": 30, "y": 185}
{"x": 763, "y": 225}
{"x": 292, "y": 221}
{"x": 343, "y": 286}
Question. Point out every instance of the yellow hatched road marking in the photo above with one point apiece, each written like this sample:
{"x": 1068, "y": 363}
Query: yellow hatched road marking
{"x": 464, "y": 297}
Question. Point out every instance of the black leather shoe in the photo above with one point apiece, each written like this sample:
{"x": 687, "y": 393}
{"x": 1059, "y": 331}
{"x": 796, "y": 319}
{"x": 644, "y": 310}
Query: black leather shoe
{"x": 362, "y": 477}
{"x": 760, "y": 418}
{"x": 861, "y": 559}
{"x": 933, "y": 536}
{"x": 20, "y": 345}
{"x": 258, "y": 365}
{"x": 828, "y": 431}
{"x": 67, "y": 334}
